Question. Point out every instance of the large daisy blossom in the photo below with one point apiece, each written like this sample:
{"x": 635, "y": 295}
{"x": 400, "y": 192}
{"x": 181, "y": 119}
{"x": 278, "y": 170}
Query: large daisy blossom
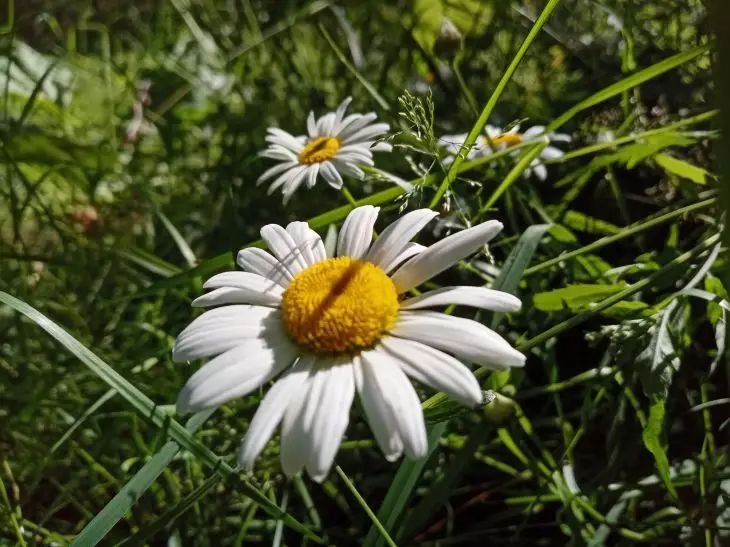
{"x": 501, "y": 139}
{"x": 335, "y": 145}
{"x": 331, "y": 327}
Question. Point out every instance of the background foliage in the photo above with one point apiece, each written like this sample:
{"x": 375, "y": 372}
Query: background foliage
{"x": 129, "y": 136}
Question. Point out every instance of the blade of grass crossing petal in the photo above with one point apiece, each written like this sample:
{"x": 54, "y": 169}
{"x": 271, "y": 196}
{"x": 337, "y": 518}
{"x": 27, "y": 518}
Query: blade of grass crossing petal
{"x": 400, "y": 490}
{"x": 514, "y": 173}
{"x": 628, "y": 83}
{"x": 149, "y": 409}
{"x": 122, "y": 502}
{"x": 492, "y": 102}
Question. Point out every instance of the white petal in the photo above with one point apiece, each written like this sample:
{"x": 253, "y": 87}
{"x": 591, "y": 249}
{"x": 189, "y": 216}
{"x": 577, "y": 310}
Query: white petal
{"x": 443, "y": 254}
{"x": 283, "y": 246}
{"x": 389, "y": 384}
{"x": 221, "y": 329}
{"x": 278, "y": 153}
{"x": 330, "y": 415}
{"x": 366, "y": 133}
{"x": 477, "y": 297}
{"x": 533, "y": 132}
{"x": 357, "y": 232}
{"x": 340, "y": 114}
{"x": 382, "y": 147}
{"x": 330, "y": 174}
{"x": 258, "y": 289}
{"x": 285, "y": 177}
{"x": 326, "y": 123}
{"x": 293, "y": 184}
{"x": 551, "y": 153}
{"x": 275, "y": 170}
{"x": 346, "y": 168}
{"x": 311, "y": 125}
{"x": 282, "y": 138}
{"x": 540, "y": 171}
{"x": 380, "y": 415}
{"x": 260, "y": 262}
{"x": 355, "y": 125}
{"x": 435, "y": 369}
{"x": 312, "y": 173}
{"x": 411, "y": 250}
{"x": 271, "y": 411}
{"x": 231, "y": 295}
{"x": 237, "y": 372}
{"x": 295, "y": 443}
{"x": 396, "y": 237}
{"x": 308, "y": 242}
{"x": 464, "y": 338}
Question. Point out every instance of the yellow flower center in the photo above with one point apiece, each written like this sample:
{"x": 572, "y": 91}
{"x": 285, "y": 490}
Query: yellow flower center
{"x": 320, "y": 149}
{"x": 339, "y": 305}
{"x": 507, "y": 138}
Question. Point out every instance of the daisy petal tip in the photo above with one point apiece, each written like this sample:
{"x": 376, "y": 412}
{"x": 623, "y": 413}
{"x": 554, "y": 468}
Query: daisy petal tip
{"x": 392, "y": 457}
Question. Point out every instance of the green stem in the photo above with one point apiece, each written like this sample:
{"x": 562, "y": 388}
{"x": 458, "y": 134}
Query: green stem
{"x": 491, "y": 103}
{"x": 514, "y": 173}
{"x": 365, "y": 506}
{"x": 628, "y": 231}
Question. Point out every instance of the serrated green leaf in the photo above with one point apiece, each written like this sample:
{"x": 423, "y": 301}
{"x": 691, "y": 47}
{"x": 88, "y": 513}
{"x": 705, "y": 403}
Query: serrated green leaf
{"x": 682, "y": 168}
{"x": 583, "y": 223}
{"x": 652, "y": 441}
{"x": 574, "y": 297}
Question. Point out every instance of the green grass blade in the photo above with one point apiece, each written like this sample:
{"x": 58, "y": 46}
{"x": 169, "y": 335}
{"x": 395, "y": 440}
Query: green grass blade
{"x": 376, "y": 523}
{"x": 491, "y": 103}
{"x": 355, "y": 72}
{"x": 179, "y": 240}
{"x": 114, "y": 511}
{"x": 628, "y": 83}
{"x": 514, "y": 173}
{"x": 149, "y": 409}
{"x": 401, "y": 488}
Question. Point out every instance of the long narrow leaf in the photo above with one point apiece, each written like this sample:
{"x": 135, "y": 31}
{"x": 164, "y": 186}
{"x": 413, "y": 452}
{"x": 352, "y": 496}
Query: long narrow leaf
{"x": 149, "y": 409}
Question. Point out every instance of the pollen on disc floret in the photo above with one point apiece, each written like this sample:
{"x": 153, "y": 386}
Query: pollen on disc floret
{"x": 339, "y": 305}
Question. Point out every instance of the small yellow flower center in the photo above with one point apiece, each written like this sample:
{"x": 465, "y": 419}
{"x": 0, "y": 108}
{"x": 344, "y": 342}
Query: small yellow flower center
{"x": 320, "y": 149}
{"x": 507, "y": 138}
{"x": 339, "y": 305}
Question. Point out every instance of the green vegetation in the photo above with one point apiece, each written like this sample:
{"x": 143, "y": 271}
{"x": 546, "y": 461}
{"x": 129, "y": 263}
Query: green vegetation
{"x": 129, "y": 141}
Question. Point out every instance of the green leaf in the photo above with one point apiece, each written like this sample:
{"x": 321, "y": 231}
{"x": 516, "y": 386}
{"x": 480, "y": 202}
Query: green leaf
{"x": 652, "y": 441}
{"x": 682, "y": 168}
{"x": 428, "y": 15}
{"x": 628, "y": 83}
{"x": 146, "y": 407}
{"x": 399, "y": 491}
{"x": 583, "y": 223}
{"x": 574, "y": 297}
{"x": 658, "y": 361}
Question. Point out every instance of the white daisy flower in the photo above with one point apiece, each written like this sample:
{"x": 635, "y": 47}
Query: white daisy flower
{"x": 335, "y": 145}
{"x": 329, "y": 328}
{"x": 504, "y": 139}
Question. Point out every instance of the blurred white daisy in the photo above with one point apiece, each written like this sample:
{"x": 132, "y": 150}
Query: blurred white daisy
{"x": 504, "y": 139}
{"x": 332, "y": 327}
{"x": 335, "y": 145}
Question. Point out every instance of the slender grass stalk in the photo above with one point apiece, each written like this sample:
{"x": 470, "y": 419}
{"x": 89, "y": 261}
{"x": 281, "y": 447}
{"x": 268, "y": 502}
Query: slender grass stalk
{"x": 365, "y": 507}
{"x": 492, "y": 102}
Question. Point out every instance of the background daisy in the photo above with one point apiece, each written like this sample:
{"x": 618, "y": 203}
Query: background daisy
{"x": 335, "y": 145}
{"x": 504, "y": 139}
{"x": 332, "y": 327}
